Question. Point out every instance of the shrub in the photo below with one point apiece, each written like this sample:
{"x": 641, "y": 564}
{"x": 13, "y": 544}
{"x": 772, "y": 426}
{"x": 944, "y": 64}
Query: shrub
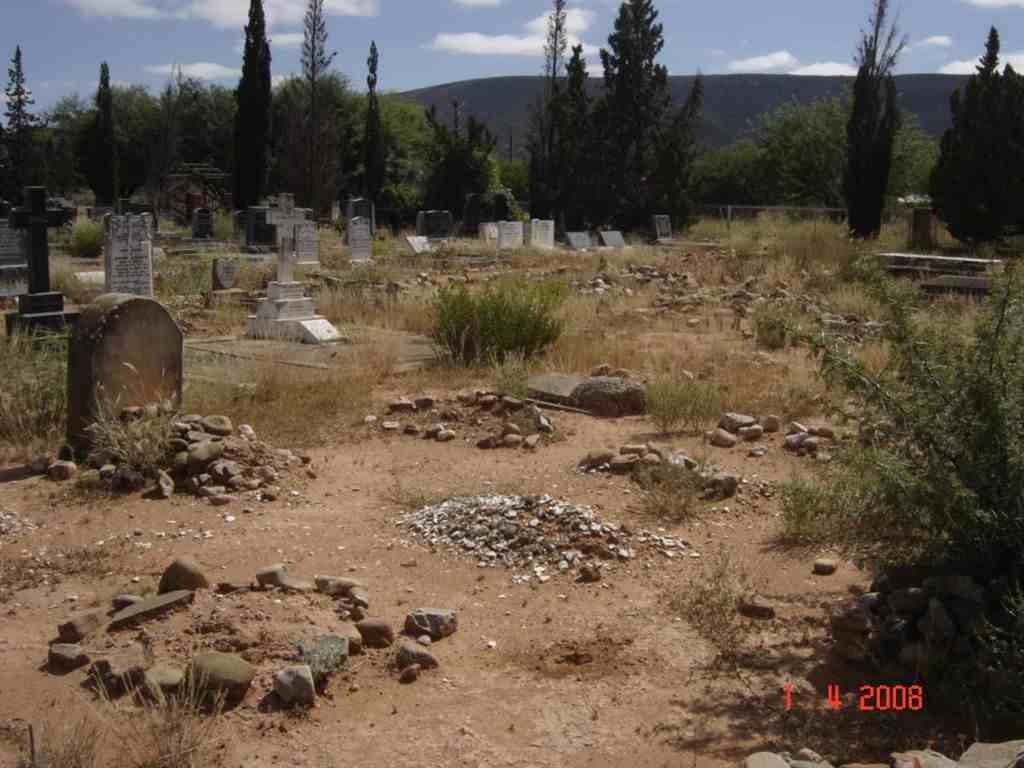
{"x": 680, "y": 402}
{"x": 507, "y": 319}
{"x": 223, "y": 227}
{"x": 86, "y": 239}
{"x": 670, "y": 491}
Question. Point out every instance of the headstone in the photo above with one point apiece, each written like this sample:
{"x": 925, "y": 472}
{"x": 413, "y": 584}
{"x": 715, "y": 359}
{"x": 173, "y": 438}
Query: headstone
{"x": 40, "y": 308}
{"x": 419, "y": 244}
{"x": 202, "y": 223}
{"x": 488, "y": 231}
{"x": 540, "y": 233}
{"x": 225, "y": 274}
{"x": 13, "y": 260}
{"x": 307, "y": 244}
{"x": 922, "y": 230}
{"x": 360, "y": 240}
{"x": 125, "y": 350}
{"x": 662, "y": 225}
{"x": 510, "y": 235}
{"x": 258, "y": 229}
{"x": 436, "y": 225}
{"x": 361, "y": 207}
{"x": 335, "y": 212}
{"x": 287, "y": 313}
{"x": 612, "y": 239}
{"x": 128, "y": 255}
{"x": 284, "y": 216}
{"x": 579, "y": 241}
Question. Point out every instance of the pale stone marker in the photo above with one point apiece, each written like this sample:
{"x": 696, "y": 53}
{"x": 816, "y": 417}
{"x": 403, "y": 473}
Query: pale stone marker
{"x": 287, "y": 313}
{"x": 125, "y": 351}
{"x": 540, "y": 233}
{"x": 307, "y": 244}
{"x": 510, "y": 235}
{"x": 488, "y": 231}
{"x": 360, "y": 241}
{"x": 419, "y": 244}
{"x": 128, "y": 255}
{"x": 225, "y": 274}
{"x": 362, "y": 208}
{"x": 612, "y": 239}
{"x": 285, "y": 217}
{"x": 662, "y": 227}
{"x": 335, "y": 211}
{"x": 578, "y": 241}
{"x": 13, "y": 260}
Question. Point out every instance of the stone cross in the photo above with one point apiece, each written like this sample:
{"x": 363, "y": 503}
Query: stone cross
{"x": 34, "y": 216}
{"x": 286, "y": 261}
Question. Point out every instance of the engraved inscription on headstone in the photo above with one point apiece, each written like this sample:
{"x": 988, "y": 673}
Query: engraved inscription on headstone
{"x": 612, "y": 239}
{"x": 307, "y": 244}
{"x": 510, "y": 235}
{"x": 578, "y": 241}
{"x": 541, "y": 234}
{"x": 225, "y": 274}
{"x": 13, "y": 260}
{"x": 488, "y": 231}
{"x": 360, "y": 242}
{"x": 128, "y": 257}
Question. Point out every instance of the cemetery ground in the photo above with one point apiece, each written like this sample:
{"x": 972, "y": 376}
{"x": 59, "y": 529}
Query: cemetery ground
{"x": 639, "y": 658}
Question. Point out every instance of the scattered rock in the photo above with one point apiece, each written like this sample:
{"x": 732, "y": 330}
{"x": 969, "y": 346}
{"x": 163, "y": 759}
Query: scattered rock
{"x": 272, "y": 576}
{"x": 121, "y": 672}
{"x": 410, "y": 653}
{"x": 220, "y": 426}
{"x": 164, "y": 485}
{"x": 756, "y": 607}
{"x": 336, "y": 586}
{"x": 734, "y": 422}
{"x": 609, "y": 397}
{"x": 376, "y": 633}
{"x": 595, "y": 459}
{"x": 222, "y": 673}
{"x": 62, "y": 470}
{"x": 436, "y": 622}
{"x": 723, "y": 485}
{"x": 410, "y": 674}
{"x": 66, "y": 657}
{"x": 722, "y": 439}
{"x": 402, "y": 405}
{"x": 589, "y": 574}
{"x": 825, "y": 566}
{"x": 424, "y": 403}
{"x": 165, "y": 678}
{"x": 771, "y": 424}
{"x": 294, "y": 685}
{"x": 183, "y": 573}
{"x": 751, "y": 433}
{"x": 512, "y": 441}
{"x": 531, "y": 442}
{"x": 623, "y": 465}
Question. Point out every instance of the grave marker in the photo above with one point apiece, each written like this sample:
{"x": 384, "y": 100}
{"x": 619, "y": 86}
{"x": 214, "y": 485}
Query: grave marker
{"x": 285, "y": 217}
{"x": 126, "y": 350}
{"x": 362, "y": 208}
{"x": 540, "y": 233}
{"x": 360, "y": 240}
{"x": 225, "y": 274}
{"x": 128, "y": 255}
{"x": 335, "y": 212}
{"x": 307, "y": 244}
{"x": 510, "y": 235}
{"x": 202, "y": 223}
{"x": 612, "y": 239}
{"x": 488, "y": 231}
{"x": 258, "y": 229}
{"x": 13, "y": 260}
{"x": 578, "y": 241}
{"x": 662, "y": 224}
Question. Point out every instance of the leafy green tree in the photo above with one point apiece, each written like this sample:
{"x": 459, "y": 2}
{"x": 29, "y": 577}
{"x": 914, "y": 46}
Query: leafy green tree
{"x": 914, "y": 155}
{"x": 59, "y": 138}
{"x": 635, "y": 102}
{"x": 515, "y": 177}
{"x": 101, "y": 148}
{"x": 375, "y": 159}
{"x": 408, "y": 142}
{"x": 676, "y": 152}
{"x": 874, "y": 121}
{"x": 320, "y": 180}
{"x": 18, "y": 136}
{"x": 462, "y": 161}
{"x": 252, "y": 118}
{"x": 978, "y": 184}
{"x": 730, "y": 175}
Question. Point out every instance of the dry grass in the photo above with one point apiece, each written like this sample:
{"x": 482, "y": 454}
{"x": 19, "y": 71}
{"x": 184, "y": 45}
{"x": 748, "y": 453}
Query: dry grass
{"x": 677, "y": 401}
{"x": 33, "y": 395}
{"x": 361, "y": 305}
{"x": 54, "y": 565}
{"x": 670, "y": 492}
{"x": 139, "y": 443}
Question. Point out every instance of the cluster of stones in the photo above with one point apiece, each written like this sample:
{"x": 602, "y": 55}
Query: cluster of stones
{"x": 913, "y": 627}
{"x": 736, "y": 427}
{"x": 632, "y": 457}
{"x": 809, "y": 441}
{"x": 420, "y": 405}
{"x": 1009, "y": 754}
{"x": 230, "y": 675}
{"x": 538, "y": 533}
{"x": 610, "y": 393}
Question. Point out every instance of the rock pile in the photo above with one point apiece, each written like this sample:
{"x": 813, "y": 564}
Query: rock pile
{"x": 1009, "y": 754}
{"x": 539, "y": 533}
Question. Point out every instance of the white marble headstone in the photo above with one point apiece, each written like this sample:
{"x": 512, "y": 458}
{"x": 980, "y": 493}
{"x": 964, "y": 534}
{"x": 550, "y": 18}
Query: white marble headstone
{"x": 541, "y": 234}
{"x": 307, "y": 244}
{"x": 510, "y": 235}
{"x": 488, "y": 231}
{"x": 128, "y": 256}
{"x": 360, "y": 243}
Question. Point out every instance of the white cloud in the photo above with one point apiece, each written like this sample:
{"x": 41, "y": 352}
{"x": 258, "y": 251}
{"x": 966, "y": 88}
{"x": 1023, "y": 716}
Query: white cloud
{"x": 935, "y": 41}
{"x": 996, "y": 3}
{"x": 577, "y": 21}
{"x": 203, "y": 70}
{"x": 766, "y": 63}
{"x": 970, "y": 66}
{"x": 286, "y": 39}
{"x": 225, "y": 14}
{"x": 825, "y": 69}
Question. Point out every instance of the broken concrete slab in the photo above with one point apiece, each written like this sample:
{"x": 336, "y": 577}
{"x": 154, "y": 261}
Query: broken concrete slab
{"x": 150, "y": 608}
{"x": 554, "y": 387}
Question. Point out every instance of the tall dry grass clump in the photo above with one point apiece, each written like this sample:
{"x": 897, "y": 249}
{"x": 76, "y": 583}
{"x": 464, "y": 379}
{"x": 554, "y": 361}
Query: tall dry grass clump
{"x": 33, "y": 393}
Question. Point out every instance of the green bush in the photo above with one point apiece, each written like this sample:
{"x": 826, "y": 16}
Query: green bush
{"x": 486, "y": 327}
{"x": 86, "y": 239}
{"x": 681, "y": 403}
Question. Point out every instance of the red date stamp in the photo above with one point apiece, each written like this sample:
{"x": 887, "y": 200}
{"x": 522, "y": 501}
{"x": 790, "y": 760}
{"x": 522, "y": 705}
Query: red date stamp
{"x": 870, "y": 698}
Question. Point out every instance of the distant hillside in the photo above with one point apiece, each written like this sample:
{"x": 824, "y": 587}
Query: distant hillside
{"x": 731, "y": 103}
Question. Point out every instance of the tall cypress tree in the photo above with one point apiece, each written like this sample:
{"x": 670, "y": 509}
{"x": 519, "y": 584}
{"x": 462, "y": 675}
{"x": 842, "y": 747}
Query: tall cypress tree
{"x": 874, "y": 121}
{"x": 373, "y": 139}
{"x": 252, "y": 119}
{"x": 676, "y": 153}
{"x": 542, "y": 144}
{"x": 977, "y": 186}
{"x": 102, "y": 162}
{"x": 573, "y": 143}
{"x": 20, "y": 125}
{"x": 316, "y": 61}
{"x": 636, "y": 100}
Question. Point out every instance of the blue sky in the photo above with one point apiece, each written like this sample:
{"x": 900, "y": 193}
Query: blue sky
{"x": 426, "y": 42}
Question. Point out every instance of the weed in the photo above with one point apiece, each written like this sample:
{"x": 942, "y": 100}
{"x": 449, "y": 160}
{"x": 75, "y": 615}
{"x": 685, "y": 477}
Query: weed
{"x": 670, "y": 492}
{"x": 140, "y": 443}
{"x": 678, "y": 401}
{"x": 33, "y": 393}
{"x": 86, "y": 239}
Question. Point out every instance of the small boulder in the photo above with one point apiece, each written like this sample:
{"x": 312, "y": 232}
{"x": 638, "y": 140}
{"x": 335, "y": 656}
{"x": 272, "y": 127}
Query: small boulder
{"x": 623, "y": 465}
{"x": 409, "y": 652}
{"x": 512, "y": 441}
{"x": 376, "y": 633}
{"x": 183, "y": 573}
{"x": 164, "y": 678}
{"x": 720, "y": 438}
{"x": 825, "y": 566}
{"x": 410, "y": 674}
{"x": 734, "y": 422}
{"x": 610, "y": 397}
{"x": 222, "y": 673}
{"x": 164, "y": 485}
{"x": 65, "y": 657}
{"x": 354, "y": 637}
{"x": 751, "y": 433}
{"x": 202, "y": 453}
{"x": 294, "y": 685}
{"x": 79, "y": 627}
{"x": 595, "y": 459}
{"x": 336, "y": 586}
{"x": 62, "y": 470}
{"x": 436, "y": 622}
{"x": 771, "y": 424}
{"x": 220, "y": 426}
{"x": 755, "y": 607}
{"x": 531, "y": 442}
{"x": 402, "y": 405}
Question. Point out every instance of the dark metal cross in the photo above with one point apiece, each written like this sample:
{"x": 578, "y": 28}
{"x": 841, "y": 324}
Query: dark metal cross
{"x": 34, "y": 216}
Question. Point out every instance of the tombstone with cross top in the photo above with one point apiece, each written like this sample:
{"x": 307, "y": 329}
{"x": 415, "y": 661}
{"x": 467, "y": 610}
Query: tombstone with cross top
{"x": 40, "y": 308}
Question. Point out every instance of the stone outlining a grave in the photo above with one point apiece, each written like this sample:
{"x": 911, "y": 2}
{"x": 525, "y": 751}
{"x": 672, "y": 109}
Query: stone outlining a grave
{"x": 128, "y": 255}
{"x": 287, "y": 313}
{"x": 126, "y": 350}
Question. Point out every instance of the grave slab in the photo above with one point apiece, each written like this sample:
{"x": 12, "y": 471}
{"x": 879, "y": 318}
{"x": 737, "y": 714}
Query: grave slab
{"x": 419, "y": 244}
{"x": 510, "y": 235}
{"x": 150, "y": 608}
{"x": 579, "y": 241}
{"x": 128, "y": 254}
{"x": 553, "y": 387}
{"x": 540, "y": 233}
{"x": 360, "y": 239}
{"x": 612, "y": 239}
